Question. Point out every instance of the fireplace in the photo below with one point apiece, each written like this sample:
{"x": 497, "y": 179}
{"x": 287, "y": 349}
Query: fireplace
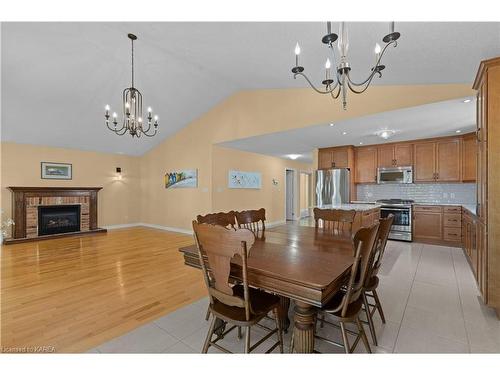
{"x": 58, "y": 219}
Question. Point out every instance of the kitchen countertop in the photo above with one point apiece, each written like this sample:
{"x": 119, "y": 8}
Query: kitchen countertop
{"x": 352, "y": 206}
{"x": 469, "y": 207}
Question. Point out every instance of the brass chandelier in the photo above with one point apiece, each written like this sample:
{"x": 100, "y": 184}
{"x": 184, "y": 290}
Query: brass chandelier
{"x": 132, "y": 110}
{"x": 341, "y": 81}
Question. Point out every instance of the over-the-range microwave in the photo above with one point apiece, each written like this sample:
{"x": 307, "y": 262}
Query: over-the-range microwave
{"x": 395, "y": 175}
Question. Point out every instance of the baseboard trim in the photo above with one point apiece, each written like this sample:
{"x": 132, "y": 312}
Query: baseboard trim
{"x": 177, "y": 230}
{"x": 119, "y": 226}
{"x": 168, "y": 229}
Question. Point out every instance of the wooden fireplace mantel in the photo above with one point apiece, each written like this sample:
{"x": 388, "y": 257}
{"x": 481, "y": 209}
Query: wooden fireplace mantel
{"x": 26, "y": 197}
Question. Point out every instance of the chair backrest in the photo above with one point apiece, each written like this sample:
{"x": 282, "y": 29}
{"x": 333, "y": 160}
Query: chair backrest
{"x": 225, "y": 219}
{"x": 380, "y": 244}
{"x": 220, "y": 245}
{"x": 334, "y": 220}
{"x": 253, "y": 220}
{"x": 364, "y": 245}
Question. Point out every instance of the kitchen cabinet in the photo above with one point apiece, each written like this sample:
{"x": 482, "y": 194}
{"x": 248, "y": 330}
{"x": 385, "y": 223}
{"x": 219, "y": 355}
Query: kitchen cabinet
{"x": 438, "y": 161}
{"x": 469, "y": 158}
{"x": 448, "y": 160}
{"x": 395, "y": 155}
{"x": 425, "y": 162}
{"x": 427, "y": 223}
{"x": 437, "y": 224}
{"x": 365, "y": 165}
{"x": 335, "y": 157}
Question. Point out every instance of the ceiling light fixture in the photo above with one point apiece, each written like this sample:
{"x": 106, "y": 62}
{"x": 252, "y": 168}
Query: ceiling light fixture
{"x": 294, "y": 156}
{"x": 332, "y": 124}
{"x": 132, "y": 110}
{"x": 458, "y": 131}
{"x": 385, "y": 133}
{"x": 344, "y": 133}
{"x": 467, "y": 100}
{"x": 360, "y": 143}
{"x": 342, "y": 80}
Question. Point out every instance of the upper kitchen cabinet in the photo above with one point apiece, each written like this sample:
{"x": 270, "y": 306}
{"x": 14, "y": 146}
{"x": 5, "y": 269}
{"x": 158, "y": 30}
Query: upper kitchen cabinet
{"x": 365, "y": 164}
{"x": 335, "y": 157}
{"x": 438, "y": 161}
{"x": 395, "y": 155}
{"x": 469, "y": 158}
{"x": 448, "y": 160}
{"x": 425, "y": 162}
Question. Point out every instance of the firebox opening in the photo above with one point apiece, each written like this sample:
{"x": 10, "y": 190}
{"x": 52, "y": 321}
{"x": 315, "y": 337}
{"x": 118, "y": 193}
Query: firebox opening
{"x": 58, "y": 219}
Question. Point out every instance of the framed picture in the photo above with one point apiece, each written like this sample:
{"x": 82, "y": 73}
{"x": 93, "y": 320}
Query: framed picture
{"x": 56, "y": 171}
{"x": 186, "y": 178}
{"x": 244, "y": 180}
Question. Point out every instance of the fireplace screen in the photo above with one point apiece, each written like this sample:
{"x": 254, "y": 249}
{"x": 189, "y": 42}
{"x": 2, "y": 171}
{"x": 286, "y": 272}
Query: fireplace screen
{"x": 58, "y": 219}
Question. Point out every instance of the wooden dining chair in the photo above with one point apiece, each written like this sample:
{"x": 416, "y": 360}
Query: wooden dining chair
{"x": 226, "y": 219}
{"x": 346, "y": 305}
{"x": 335, "y": 221}
{"x": 238, "y": 304}
{"x": 253, "y": 220}
{"x": 372, "y": 281}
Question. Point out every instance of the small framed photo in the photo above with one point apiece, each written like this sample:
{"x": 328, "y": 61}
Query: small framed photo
{"x": 56, "y": 171}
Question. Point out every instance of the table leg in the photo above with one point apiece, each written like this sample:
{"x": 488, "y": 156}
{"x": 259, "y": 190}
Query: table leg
{"x": 304, "y": 328}
{"x": 283, "y": 313}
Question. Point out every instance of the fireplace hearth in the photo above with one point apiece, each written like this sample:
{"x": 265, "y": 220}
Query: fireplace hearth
{"x": 58, "y": 219}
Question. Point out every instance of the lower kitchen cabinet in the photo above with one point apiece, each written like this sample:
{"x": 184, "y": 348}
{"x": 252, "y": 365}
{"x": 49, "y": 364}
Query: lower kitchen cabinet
{"x": 437, "y": 224}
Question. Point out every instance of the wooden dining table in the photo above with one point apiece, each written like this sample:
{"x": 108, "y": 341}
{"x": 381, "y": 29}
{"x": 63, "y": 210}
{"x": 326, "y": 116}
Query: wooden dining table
{"x": 296, "y": 262}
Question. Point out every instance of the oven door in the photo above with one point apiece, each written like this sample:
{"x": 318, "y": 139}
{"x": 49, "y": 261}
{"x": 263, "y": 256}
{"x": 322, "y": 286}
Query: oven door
{"x": 402, "y": 218}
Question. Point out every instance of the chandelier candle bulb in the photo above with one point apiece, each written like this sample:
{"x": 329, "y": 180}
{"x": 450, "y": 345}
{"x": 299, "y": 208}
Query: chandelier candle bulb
{"x": 327, "y": 68}
{"x": 297, "y": 53}
{"x": 377, "y": 53}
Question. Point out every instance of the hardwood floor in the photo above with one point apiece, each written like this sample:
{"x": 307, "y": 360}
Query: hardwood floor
{"x": 75, "y": 293}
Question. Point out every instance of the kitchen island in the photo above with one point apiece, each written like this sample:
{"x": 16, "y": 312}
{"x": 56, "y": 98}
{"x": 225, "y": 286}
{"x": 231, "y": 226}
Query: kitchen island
{"x": 367, "y": 214}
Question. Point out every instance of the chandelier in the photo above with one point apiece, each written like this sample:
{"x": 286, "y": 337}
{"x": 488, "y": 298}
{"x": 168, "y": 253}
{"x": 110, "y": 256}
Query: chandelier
{"x": 341, "y": 81}
{"x": 132, "y": 110}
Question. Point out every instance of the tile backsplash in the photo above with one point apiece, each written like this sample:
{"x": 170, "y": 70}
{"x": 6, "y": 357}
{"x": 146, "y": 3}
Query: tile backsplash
{"x": 435, "y": 193}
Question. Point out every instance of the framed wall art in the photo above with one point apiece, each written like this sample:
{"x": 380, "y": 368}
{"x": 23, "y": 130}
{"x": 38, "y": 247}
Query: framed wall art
{"x": 56, "y": 171}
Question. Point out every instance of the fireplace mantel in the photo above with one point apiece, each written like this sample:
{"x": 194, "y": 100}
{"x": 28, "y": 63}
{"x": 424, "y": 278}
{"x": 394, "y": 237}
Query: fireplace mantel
{"x": 26, "y": 199}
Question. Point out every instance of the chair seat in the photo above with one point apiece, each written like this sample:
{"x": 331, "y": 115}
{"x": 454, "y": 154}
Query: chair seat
{"x": 372, "y": 284}
{"x": 261, "y": 302}
{"x": 352, "y": 310}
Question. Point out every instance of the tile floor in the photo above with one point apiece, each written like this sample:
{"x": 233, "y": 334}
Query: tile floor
{"x": 428, "y": 292}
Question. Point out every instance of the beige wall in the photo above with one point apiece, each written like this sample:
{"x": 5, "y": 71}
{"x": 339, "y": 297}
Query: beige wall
{"x": 118, "y": 201}
{"x": 271, "y": 197}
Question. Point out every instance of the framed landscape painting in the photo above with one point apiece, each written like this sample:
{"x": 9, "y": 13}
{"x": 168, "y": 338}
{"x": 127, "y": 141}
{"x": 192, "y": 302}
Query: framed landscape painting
{"x": 186, "y": 178}
{"x": 244, "y": 180}
{"x": 56, "y": 171}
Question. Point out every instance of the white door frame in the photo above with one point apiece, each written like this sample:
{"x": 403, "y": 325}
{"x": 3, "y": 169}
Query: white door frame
{"x": 310, "y": 197}
{"x": 294, "y": 190}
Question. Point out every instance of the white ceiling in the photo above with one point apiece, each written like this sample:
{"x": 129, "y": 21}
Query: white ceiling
{"x": 57, "y": 77}
{"x": 426, "y": 121}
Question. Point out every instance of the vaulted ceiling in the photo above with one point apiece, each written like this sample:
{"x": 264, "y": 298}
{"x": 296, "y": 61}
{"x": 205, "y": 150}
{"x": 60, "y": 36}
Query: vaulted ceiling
{"x": 57, "y": 77}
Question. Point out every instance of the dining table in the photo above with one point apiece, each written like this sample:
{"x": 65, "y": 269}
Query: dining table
{"x": 301, "y": 263}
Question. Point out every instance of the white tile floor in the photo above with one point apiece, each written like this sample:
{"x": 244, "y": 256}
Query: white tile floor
{"x": 429, "y": 296}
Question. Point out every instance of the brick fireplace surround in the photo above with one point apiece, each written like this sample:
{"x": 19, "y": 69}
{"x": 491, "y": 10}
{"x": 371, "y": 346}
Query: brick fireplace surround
{"x": 26, "y": 200}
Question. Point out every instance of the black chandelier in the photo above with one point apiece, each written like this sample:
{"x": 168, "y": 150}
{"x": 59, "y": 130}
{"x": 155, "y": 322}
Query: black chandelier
{"x": 132, "y": 110}
{"x": 342, "y": 80}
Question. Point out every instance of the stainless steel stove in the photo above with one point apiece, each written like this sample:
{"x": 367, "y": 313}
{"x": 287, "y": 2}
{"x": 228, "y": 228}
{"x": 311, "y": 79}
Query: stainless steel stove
{"x": 402, "y": 210}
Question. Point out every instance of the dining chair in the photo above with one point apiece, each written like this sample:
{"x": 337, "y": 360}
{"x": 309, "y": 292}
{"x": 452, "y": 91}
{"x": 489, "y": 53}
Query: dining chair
{"x": 226, "y": 219}
{"x": 335, "y": 221}
{"x": 372, "y": 280}
{"x": 346, "y": 305}
{"x": 236, "y": 304}
{"x": 253, "y": 220}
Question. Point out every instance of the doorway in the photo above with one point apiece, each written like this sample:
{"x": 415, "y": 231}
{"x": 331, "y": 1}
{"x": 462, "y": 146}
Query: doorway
{"x": 305, "y": 194}
{"x": 289, "y": 194}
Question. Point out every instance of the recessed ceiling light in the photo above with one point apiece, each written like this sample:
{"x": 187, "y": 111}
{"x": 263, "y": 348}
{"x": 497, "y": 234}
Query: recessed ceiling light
{"x": 294, "y": 156}
{"x": 458, "y": 131}
{"x": 385, "y": 133}
{"x": 360, "y": 143}
{"x": 332, "y": 124}
{"x": 344, "y": 133}
{"x": 467, "y": 100}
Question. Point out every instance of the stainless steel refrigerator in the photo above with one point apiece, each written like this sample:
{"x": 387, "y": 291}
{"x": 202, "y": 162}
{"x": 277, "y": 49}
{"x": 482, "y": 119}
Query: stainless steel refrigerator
{"x": 332, "y": 187}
